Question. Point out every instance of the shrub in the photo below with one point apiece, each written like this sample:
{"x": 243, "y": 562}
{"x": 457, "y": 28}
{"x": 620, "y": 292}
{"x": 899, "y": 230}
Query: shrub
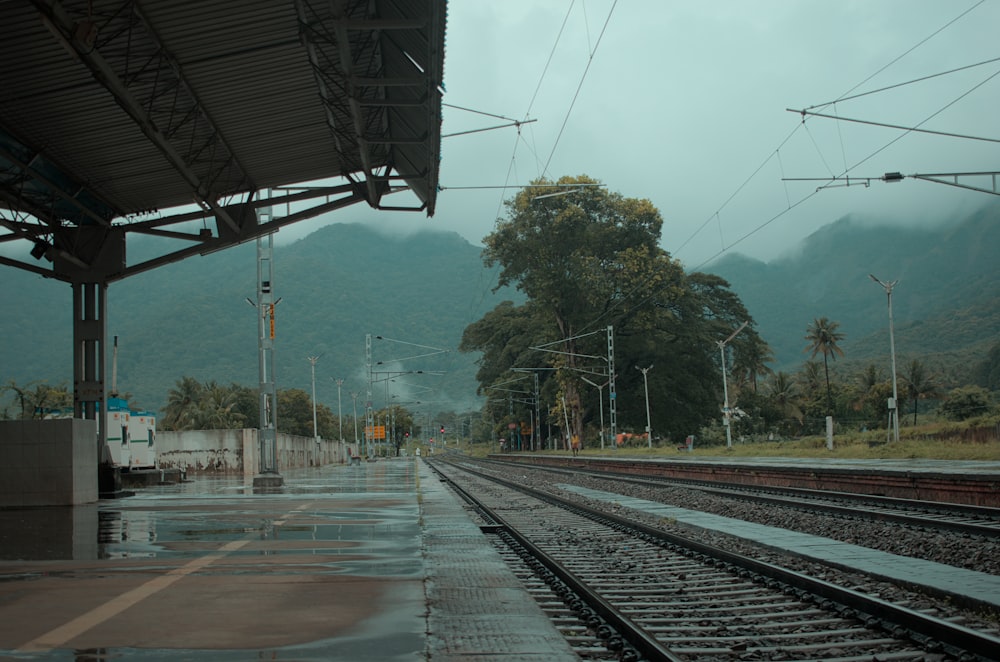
{"x": 965, "y": 402}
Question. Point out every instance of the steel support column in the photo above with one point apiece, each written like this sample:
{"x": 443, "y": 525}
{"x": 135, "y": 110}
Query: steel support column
{"x": 90, "y": 329}
{"x": 369, "y": 414}
{"x": 612, "y": 390}
{"x": 268, "y": 476}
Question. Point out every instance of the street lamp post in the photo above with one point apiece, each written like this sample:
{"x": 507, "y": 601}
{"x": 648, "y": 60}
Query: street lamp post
{"x": 726, "y": 418}
{"x": 354, "y": 397}
{"x": 645, "y": 384}
{"x": 340, "y": 414}
{"x": 312, "y": 367}
{"x": 894, "y": 405}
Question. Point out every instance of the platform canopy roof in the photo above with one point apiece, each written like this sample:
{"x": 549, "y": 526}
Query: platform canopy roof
{"x": 114, "y": 112}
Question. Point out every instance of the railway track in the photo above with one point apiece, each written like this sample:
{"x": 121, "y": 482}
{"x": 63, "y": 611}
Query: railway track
{"x": 946, "y": 482}
{"x": 622, "y": 590}
{"x": 963, "y": 519}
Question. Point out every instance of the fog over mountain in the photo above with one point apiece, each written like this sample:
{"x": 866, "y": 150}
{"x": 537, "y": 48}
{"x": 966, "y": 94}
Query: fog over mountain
{"x": 420, "y": 292}
{"x": 947, "y": 298}
{"x": 342, "y": 282}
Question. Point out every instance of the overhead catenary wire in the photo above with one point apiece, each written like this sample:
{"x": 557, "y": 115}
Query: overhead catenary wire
{"x": 519, "y": 138}
{"x": 867, "y": 158}
{"x": 903, "y": 84}
{"x": 870, "y": 156}
{"x": 842, "y": 97}
{"x": 738, "y": 189}
{"x": 847, "y": 170}
{"x": 790, "y": 205}
{"x": 569, "y": 111}
{"x": 516, "y": 123}
{"x": 480, "y": 112}
{"x": 908, "y": 51}
{"x": 908, "y": 129}
{"x": 934, "y": 177}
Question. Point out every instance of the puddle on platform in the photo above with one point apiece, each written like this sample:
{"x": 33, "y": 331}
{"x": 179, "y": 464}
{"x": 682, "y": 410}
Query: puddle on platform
{"x": 368, "y": 508}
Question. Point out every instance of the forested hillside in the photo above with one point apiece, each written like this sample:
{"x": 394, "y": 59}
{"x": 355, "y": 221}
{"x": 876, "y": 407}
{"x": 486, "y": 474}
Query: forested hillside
{"x": 342, "y": 282}
{"x": 946, "y": 302}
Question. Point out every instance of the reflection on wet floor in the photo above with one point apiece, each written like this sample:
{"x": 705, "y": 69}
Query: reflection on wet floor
{"x": 329, "y": 568}
{"x": 164, "y": 520}
{"x": 128, "y": 534}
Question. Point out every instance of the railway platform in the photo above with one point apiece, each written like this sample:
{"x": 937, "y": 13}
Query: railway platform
{"x": 376, "y": 561}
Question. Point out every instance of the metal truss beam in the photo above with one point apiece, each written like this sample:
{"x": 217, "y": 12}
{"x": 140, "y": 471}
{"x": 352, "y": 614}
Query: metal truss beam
{"x": 30, "y": 183}
{"x": 356, "y": 108}
{"x": 123, "y": 53}
{"x": 209, "y": 244}
{"x": 956, "y": 179}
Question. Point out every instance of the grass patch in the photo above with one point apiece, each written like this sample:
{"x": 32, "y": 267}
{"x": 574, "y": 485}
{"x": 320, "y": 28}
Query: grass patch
{"x": 859, "y": 449}
{"x": 971, "y": 440}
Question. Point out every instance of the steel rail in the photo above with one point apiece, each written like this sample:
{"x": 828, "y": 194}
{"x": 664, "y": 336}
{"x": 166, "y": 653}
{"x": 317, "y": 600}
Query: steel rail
{"x": 645, "y": 643}
{"x": 807, "y": 499}
{"x": 899, "y": 621}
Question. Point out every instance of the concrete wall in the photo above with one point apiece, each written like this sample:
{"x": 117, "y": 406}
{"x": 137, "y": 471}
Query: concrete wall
{"x": 48, "y": 463}
{"x": 55, "y": 463}
{"x": 236, "y": 451}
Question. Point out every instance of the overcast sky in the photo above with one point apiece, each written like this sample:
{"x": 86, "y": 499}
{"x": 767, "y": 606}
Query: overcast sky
{"x": 684, "y": 101}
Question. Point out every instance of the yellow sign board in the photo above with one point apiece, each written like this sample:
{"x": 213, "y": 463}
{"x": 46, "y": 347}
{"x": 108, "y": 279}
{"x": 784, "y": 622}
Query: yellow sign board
{"x": 375, "y": 431}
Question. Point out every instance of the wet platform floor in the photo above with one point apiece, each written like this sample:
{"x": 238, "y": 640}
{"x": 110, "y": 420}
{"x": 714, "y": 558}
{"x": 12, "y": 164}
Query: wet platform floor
{"x": 370, "y": 562}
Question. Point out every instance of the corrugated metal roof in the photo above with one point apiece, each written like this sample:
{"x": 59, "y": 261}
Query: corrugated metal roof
{"x": 112, "y": 108}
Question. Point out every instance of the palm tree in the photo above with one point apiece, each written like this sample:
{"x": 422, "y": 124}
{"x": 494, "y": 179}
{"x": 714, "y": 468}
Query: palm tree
{"x": 751, "y": 359}
{"x": 216, "y": 408}
{"x": 871, "y": 376}
{"x": 182, "y": 404}
{"x": 784, "y": 396}
{"x": 823, "y": 337}
{"x": 919, "y": 384}
{"x": 811, "y": 378}
{"x": 867, "y": 380}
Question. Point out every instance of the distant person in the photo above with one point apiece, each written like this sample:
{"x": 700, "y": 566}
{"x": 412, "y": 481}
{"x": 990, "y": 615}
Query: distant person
{"x": 576, "y": 445}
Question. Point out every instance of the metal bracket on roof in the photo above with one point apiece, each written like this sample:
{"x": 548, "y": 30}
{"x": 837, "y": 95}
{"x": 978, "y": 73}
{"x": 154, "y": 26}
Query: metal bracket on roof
{"x": 182, "y": 131}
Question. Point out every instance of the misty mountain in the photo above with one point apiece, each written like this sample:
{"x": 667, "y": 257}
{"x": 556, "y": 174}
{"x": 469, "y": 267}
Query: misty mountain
{"x": 344, "y": 281}
{"x": 946, "y": 302}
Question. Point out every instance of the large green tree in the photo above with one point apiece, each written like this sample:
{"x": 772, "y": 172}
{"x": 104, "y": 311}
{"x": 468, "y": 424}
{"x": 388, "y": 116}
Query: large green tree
{"x": 505, "y": 336}
{"x": 211, "y": 406}
{"x": 295, "y": 415}
{"x": 706, "y": 312}
{"x": 965, "y": 402}
{"x": 581, "y": 259}
{"x": 37, "y": 400}
{"x": 218, "y": 409}
{"x": 588, "y": 260}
